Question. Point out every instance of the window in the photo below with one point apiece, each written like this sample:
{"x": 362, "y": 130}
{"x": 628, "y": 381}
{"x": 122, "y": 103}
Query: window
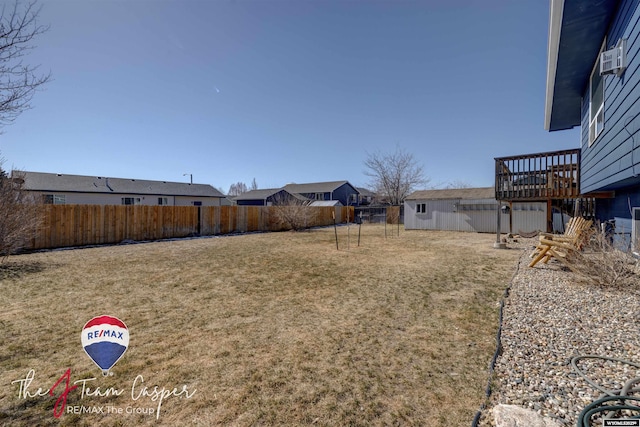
{"x": 421, "y": 208}
{"x": 596, "y": 101}
{"x": 131, "y": 200}
{"x": 197, "y": 203}
{"x": 319, "y": 196}
{"x": 163, "y": 201}
{"x": 55, "y": 199}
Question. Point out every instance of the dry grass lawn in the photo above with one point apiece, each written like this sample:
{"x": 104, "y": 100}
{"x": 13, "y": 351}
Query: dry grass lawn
{"x": 260, "y": 329}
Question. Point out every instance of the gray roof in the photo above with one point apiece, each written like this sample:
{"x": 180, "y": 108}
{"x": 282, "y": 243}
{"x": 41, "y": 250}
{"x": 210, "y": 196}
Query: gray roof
{"x": 365, "y": 191}
{"x": 457, "y": 193}
{"x": 51, "y": 182}
{"x": 316, "y": 187}
{"x": 325, "y": 203}
{"x": 261, "y": 194}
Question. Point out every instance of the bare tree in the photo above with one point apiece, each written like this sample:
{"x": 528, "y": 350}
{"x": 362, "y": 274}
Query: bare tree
{"x": 18, "y": 81}
{"x": 237, "y": 189}
{"x": 254, "y": 185}
{"x": 394, "y": 175}
{"x": 20, "y": 216}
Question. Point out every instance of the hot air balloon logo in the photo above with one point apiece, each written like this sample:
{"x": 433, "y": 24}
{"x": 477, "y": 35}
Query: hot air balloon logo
{"x": 105, "y": 339}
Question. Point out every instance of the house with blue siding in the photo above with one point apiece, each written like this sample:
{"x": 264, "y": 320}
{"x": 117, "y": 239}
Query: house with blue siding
{"x": 593, "y": 81}
{"x": 342, "y": 191}
{"x": 264, "y": 197}
{"x": 332, "y": 191}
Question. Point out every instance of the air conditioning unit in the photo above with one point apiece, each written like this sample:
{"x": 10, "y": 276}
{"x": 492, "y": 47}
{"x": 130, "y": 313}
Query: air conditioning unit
{"x": 635, "y": 230}
{"x": 614, "y": 61}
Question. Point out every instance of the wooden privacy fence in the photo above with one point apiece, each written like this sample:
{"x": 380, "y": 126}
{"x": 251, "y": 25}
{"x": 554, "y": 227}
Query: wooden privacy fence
{"x": 82, "y": 225}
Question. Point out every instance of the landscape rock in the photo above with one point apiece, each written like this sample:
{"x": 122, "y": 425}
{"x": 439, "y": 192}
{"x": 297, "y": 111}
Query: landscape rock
{"x": 517, "y": 416}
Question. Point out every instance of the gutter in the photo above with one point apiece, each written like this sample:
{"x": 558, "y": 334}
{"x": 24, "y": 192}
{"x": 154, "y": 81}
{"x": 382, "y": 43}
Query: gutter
{"x": 556, "y": 10}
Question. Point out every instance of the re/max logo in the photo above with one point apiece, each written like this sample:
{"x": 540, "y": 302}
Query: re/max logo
{"x": 105, "y": 333}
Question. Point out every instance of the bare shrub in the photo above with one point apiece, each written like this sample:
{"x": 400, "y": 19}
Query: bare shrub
{"x": 602, "y": 263}
{"x": 294, "y": 214}
{"x": 20, "y": 215}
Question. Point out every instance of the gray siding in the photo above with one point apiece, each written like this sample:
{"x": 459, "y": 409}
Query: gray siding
{"x": 612, "y": 162}
{"x": 528, "y": 217}
{"x": 477, "y": 215}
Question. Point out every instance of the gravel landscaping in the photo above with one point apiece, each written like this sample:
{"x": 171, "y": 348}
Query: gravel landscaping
{"x": 549, "y": 319}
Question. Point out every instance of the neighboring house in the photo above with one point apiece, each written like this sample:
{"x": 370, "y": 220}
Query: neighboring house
{"x": 366, "y": 197}
{"x": 96, "y": 190}
{"x": 343, "y": 191}
{"x": 265, "y": 197}
{"x": 470, "y": 209}
{"x": 593, "y": 81}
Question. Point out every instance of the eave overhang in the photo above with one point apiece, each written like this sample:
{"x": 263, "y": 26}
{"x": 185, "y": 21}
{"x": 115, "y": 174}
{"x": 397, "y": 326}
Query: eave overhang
{"x": 576, "y": 31}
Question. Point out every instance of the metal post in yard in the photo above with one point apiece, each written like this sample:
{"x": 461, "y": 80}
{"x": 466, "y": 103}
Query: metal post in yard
{"x": 498, "y": 244}
{"x": 335, "y": 228}
{"x": 510, "y": 217}
{"x": 359, "y": 228}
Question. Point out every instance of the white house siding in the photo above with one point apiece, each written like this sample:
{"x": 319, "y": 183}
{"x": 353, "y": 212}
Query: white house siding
{"x": 478, "y": 215}
{"x": 145, "y": 199}
{"x": 188, "y": 201}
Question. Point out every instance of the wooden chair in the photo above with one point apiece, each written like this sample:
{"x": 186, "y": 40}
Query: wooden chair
{"x": 562, "y": 246}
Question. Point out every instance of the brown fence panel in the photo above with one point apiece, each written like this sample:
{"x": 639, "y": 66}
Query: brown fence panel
{"x": 42, "y": 234}
{"x": 81, "y": 225}
{"x": 393, "y": 214}
{"x": 208, "y": 220}
{"x": 241, "y": 219}
{"x": 253, "y": 218}
{"x": 234, "y": 221}
{"x": 185, "y": 221}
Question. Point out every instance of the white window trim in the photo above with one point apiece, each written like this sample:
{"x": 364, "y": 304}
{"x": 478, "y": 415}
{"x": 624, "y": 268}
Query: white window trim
{"x": 56, "y": 199}
{"x": 598, "y": 117}
{"x": 136, "y": 201}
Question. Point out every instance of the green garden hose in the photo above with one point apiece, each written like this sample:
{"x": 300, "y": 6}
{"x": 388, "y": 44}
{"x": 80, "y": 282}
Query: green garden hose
{"x": 613, "y": 401}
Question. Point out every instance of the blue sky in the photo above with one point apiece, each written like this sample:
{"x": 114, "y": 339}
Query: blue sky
{"x": 285, "y": 90}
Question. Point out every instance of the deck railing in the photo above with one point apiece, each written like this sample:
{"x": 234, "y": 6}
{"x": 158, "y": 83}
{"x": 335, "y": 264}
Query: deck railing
{"x": 540, "y": 176}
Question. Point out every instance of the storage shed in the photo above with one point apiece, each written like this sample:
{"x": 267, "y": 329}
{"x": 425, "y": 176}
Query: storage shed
{"x": 470, "y": 209}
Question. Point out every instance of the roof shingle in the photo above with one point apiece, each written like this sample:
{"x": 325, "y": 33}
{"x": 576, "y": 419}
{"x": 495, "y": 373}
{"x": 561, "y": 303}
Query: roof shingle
{"x": 41, "y": 181}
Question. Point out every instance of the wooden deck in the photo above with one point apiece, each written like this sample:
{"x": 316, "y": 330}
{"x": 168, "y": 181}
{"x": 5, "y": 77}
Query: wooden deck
{"x": 538, "y": 177}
